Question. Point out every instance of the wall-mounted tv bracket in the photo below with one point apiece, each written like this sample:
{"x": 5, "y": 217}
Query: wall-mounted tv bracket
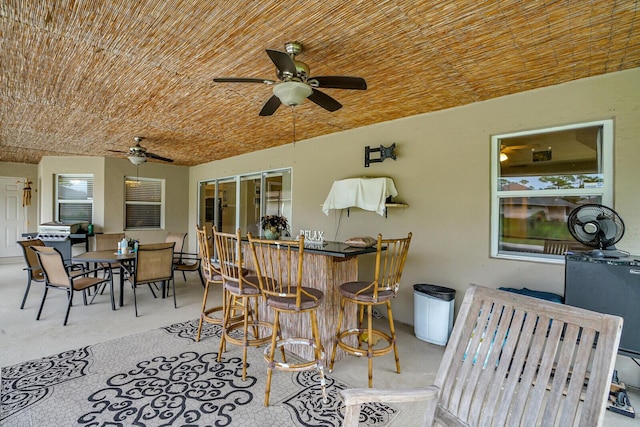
{"x": 385, "y": 153}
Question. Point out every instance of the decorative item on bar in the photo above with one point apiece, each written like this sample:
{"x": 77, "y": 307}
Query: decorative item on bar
{"x": 312, "y": 238}
{"x": 273, "y": 225}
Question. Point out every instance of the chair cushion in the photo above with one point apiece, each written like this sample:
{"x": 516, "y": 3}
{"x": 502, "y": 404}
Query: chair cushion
{"x": 289, "y": 303}
{"x": 350, "y": 290}
{"x": 215, "y": 278}
{"x": 187, "y": 266}
{"x": 252, "y": 287}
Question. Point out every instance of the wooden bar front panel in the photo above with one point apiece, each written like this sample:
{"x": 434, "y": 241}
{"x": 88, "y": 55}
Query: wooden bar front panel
{"x": 322, "y": 272}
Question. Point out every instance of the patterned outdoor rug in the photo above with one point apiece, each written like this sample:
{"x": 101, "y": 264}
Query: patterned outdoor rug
{"x": 164, "y": 378}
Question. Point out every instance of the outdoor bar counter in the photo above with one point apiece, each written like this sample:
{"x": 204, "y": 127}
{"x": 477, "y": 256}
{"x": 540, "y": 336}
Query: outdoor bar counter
{"x": 326, "y": 266}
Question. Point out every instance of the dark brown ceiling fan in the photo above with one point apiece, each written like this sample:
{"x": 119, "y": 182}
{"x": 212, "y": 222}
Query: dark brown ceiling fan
{"x": 139, "y": 154}
{"x": 295, "y": 83}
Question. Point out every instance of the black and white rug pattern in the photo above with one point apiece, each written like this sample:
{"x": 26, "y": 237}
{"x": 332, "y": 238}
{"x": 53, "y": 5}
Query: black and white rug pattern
{"x": 164, "y": 378}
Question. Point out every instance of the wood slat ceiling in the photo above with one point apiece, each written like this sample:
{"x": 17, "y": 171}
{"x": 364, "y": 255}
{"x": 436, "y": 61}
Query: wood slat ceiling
{"x": 84, "y": 77}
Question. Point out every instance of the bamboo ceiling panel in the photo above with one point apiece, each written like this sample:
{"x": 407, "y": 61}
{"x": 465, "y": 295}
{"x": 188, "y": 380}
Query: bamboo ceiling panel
{"x": 84, "y": 77}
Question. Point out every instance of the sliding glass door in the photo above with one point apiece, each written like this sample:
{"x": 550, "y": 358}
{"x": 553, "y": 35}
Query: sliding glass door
{"x": 239, "y": 202}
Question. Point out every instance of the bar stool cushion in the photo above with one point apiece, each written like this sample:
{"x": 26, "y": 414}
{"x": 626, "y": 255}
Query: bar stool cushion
{"x": 215, "y": 278}
{"x": 350, "y": 290}
{"x": 251, "y": 286}
{"x": 288, "y": 303}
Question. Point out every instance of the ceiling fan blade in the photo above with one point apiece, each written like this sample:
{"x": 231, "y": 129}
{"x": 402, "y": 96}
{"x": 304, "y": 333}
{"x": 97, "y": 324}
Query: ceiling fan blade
{"x": 242, "y": 80}
{"x": 324, "y": 100}
{"x": 157, "y": 157}
{"x": 283, "y": 61}
{"x": 270, "y": 106}
{"x": 119, "y": 151}
{"x": 340, "y": 82}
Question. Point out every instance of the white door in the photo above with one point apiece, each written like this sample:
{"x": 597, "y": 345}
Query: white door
{"x": 11, "y": 216}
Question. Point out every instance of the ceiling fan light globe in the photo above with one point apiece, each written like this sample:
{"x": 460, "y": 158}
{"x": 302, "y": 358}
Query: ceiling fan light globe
{"x": 137, "y": 160}
{"x": 292, "y": 93}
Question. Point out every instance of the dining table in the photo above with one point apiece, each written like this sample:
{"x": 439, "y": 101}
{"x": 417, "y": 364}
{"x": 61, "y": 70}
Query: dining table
{"x": 112, "y": 259}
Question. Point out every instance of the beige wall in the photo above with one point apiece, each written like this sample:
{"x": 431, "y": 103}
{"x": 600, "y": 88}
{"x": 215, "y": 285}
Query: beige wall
{"x": 442, "y": 171}
{"x": 50, "y": 166}
{"x": 176, "y": 198}
{"x": 108, "y": 206}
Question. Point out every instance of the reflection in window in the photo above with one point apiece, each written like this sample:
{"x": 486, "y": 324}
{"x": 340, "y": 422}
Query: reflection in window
{"x": 539, "y": 177}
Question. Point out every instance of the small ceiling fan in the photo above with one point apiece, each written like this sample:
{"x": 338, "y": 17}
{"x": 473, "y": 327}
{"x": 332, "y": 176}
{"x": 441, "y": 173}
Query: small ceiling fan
{"x": 507, "y": 150}
{"x": 295, "y": 82}
{"x": 138, "y": 154}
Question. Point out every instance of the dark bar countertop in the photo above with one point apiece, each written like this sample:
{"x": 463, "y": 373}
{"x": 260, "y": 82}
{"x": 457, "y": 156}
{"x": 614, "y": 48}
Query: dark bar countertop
{"x": 334, "y": 249}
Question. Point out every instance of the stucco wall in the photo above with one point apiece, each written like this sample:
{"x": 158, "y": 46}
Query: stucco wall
{"x": 442, "y": 171}
{"x": 108, "y": 208}
{"x": 50, "y": 166}
{"x": 176, "y": 197}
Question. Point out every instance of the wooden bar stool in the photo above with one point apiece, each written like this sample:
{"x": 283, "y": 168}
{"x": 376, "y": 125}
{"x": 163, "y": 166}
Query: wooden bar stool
{"x": 278, "y": 266}
{"x": 391, "y": 255}
{"x": 241, "y": 298}
{"x": 211, "y": 276}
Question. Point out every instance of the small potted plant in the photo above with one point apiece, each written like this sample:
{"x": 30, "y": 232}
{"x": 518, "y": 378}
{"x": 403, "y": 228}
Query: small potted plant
{"x": 273, "y": 225}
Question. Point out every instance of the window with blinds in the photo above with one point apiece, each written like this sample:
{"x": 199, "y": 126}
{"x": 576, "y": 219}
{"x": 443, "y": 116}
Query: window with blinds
{"x": 74, "y": 198}
{"x": 144, "y": 203}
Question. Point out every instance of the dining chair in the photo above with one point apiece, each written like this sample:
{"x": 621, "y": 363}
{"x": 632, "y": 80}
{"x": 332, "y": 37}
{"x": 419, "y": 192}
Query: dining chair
{"x": 556, "y": 247}
{"x": 34, "y": 272}
{"x": 241, "y": 298}
{"x": 391, "y": 255}
{"x": 109, "y": 241}
{"x": 153, "y": 265}
{"x": 184, "y": 261}
{"x": 212, "y": 276}
{"x": 279, "y": 268}
{"x": 59, "y": 275}
{"x": 513, "y": 360}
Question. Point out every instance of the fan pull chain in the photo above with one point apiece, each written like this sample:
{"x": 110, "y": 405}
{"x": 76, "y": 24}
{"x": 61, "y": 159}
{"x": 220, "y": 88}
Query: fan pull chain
{"x": 293, "y": 115}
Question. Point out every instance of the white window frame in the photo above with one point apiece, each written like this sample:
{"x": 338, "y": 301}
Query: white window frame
{"x": 605, "y": 191}
{"x": 161, "y": 203}
{"x": 88, "y": 201}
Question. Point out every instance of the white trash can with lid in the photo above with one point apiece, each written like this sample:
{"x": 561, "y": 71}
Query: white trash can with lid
{"x": 433, "y": 308}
